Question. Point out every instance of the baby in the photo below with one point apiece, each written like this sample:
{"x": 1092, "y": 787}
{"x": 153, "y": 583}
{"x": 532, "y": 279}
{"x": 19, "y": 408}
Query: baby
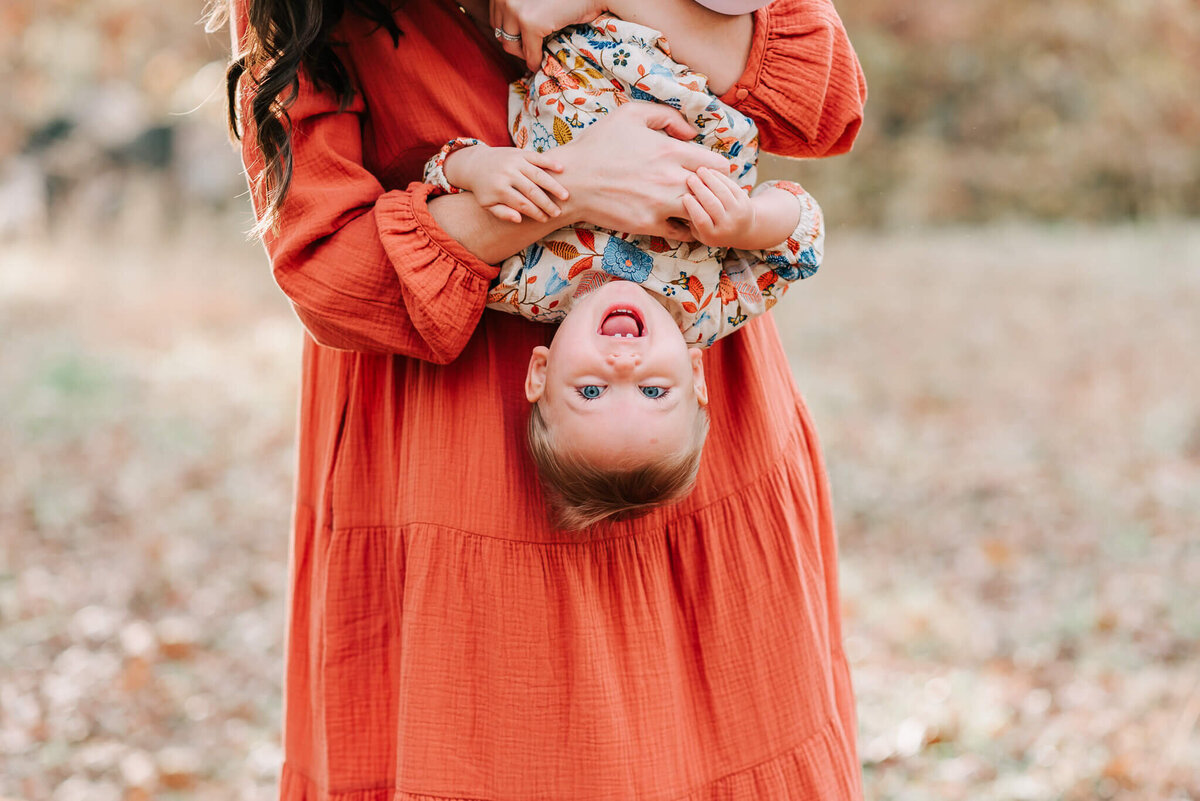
{"x": 618, "y": 419}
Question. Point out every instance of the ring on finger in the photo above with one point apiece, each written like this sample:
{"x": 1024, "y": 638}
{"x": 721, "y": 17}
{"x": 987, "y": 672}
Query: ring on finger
{"x": 505, "y": 35}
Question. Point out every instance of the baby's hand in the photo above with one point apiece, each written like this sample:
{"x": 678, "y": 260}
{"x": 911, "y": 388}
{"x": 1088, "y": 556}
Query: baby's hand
{"x": 720, "y": 211}
{"x": 507, "y": 181}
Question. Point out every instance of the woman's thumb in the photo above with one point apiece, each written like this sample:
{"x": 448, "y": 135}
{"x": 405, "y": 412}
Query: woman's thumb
{"x": 668, "y": 120}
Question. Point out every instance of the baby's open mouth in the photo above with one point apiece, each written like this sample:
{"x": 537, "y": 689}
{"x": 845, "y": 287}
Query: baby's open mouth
{"x": 622, "y": 322}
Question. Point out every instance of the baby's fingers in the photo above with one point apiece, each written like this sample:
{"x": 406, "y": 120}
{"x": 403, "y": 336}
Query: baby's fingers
{"x": 702, "y": 224}
{"x": 539, "y": 205}
{"x": 714, "y": 209}
{"x": 722, "y": 186}
{"x": 544, "y": 160}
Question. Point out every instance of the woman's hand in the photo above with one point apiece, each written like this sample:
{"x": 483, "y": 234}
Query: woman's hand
{"x": 628, "y": 172}
{"x": 534, "y": 20}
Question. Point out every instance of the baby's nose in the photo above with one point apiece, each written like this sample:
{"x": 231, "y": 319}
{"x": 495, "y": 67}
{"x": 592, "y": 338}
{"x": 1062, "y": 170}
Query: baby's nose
{"x": 623, "y": 362}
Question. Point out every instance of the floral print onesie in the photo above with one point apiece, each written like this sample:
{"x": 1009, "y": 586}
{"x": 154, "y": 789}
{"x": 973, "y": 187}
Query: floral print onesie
{"x": 587, "y": 71}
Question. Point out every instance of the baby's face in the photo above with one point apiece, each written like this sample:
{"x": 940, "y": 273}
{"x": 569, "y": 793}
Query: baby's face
{"x": 618, "y": 384}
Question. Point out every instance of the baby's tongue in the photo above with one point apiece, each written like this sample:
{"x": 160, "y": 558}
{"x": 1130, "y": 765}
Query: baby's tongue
{"x": 616, "y": 324}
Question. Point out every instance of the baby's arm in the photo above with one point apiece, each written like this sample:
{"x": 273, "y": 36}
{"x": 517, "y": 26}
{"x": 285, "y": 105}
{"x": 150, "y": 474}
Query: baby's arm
{"x": 507, "y": 181}
{"x": 722, "y": 215}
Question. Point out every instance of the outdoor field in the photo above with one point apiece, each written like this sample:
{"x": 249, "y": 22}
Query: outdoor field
{"x": 1011, "y": 422}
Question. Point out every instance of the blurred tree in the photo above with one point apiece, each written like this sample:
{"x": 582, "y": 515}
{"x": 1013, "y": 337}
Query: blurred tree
{"x": 1080, "y": 109}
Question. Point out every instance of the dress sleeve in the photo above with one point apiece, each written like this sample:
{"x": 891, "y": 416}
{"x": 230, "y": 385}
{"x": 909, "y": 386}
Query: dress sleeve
{"x": 365, "y": 269}
{"x": 803, "y": 83}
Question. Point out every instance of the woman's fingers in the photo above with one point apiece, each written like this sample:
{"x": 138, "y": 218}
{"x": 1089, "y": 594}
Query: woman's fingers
{"x": 534, "y": 20}
{"x": 505, "y": 213}
{"x": 544, "y": 160}
{"x": 520, "y": 202}
{"x": 531, "y": 47}
{"x": 698, "y": 157}
{"x": 660, "y": 118}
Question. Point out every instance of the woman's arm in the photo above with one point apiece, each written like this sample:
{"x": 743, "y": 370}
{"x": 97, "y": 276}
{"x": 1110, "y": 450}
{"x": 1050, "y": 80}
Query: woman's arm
{"x": 388, "y": 271}
{"x": 646, "y": 163}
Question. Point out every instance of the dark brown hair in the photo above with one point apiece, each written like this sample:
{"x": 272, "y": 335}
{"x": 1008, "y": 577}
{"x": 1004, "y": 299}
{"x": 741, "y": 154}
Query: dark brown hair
{"x": 282, "y": 37}
{"x": 580, "y": 493}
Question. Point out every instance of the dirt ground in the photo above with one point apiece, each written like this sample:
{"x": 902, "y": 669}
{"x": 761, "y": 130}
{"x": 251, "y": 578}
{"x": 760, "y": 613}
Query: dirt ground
{"x": 1011, "y": 421}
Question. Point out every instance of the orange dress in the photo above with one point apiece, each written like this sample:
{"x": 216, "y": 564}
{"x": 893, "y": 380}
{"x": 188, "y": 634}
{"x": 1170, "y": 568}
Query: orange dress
{"x": 445, "y": 642}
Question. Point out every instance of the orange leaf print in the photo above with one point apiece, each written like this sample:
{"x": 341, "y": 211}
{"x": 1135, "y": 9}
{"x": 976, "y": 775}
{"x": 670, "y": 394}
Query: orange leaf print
{"x": 726, "y": 288}
{"x": 695, "y": 287}
{"x": 767, "y": 279}
{"x": 586, "y": 238}
{"x": 564, "y": 250}
{"x": 583, "y": 264}
{"x": 658, "y": 245}
{"x": 531, "y": 279}
{"x": 553, "y": 303}
{"x": 707, "y": 301}
{"x": 689, "y": 307}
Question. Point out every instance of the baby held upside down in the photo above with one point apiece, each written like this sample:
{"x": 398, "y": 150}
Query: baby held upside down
{"x": 618, "y": 417}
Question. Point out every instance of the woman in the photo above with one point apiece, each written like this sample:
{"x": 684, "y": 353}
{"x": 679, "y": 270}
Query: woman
{"x": 444, "y": 641}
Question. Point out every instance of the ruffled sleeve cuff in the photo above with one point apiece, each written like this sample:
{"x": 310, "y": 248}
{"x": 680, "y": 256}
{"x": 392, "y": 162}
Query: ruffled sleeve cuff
{"x": 444, "y": 285}
{"x": 802, "y": 84}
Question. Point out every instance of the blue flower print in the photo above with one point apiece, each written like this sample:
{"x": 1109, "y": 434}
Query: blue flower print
{"x": 808, "y": 262}
{"x": 555, "y": 283}
{"x": 533, "y": 254}
{"x": 623, "y": 260}
{"x": 639, "y": 94}
{"x": 621, "y": 57}
{"x": 786, "y": 271}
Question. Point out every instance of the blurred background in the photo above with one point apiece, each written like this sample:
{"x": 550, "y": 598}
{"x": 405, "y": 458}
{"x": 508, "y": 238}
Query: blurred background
{"x": 999, "y": 353}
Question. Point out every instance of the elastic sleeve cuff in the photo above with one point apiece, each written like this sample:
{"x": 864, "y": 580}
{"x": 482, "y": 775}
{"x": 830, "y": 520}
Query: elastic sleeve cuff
{"x": 435, "y": 168}
{"x": 805, "y": 246}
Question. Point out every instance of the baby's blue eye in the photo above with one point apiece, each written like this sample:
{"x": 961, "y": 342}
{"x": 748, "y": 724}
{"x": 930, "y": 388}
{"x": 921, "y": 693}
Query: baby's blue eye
{"x": 653, "y": 392}
{"x": 591, "y": 391}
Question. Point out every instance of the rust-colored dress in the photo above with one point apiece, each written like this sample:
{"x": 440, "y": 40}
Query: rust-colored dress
{"x": 444, "y": 641}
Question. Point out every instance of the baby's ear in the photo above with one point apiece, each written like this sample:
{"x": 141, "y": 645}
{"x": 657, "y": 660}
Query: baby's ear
{"x": 535, "y": 378}
{"x": 698, "y": 384}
